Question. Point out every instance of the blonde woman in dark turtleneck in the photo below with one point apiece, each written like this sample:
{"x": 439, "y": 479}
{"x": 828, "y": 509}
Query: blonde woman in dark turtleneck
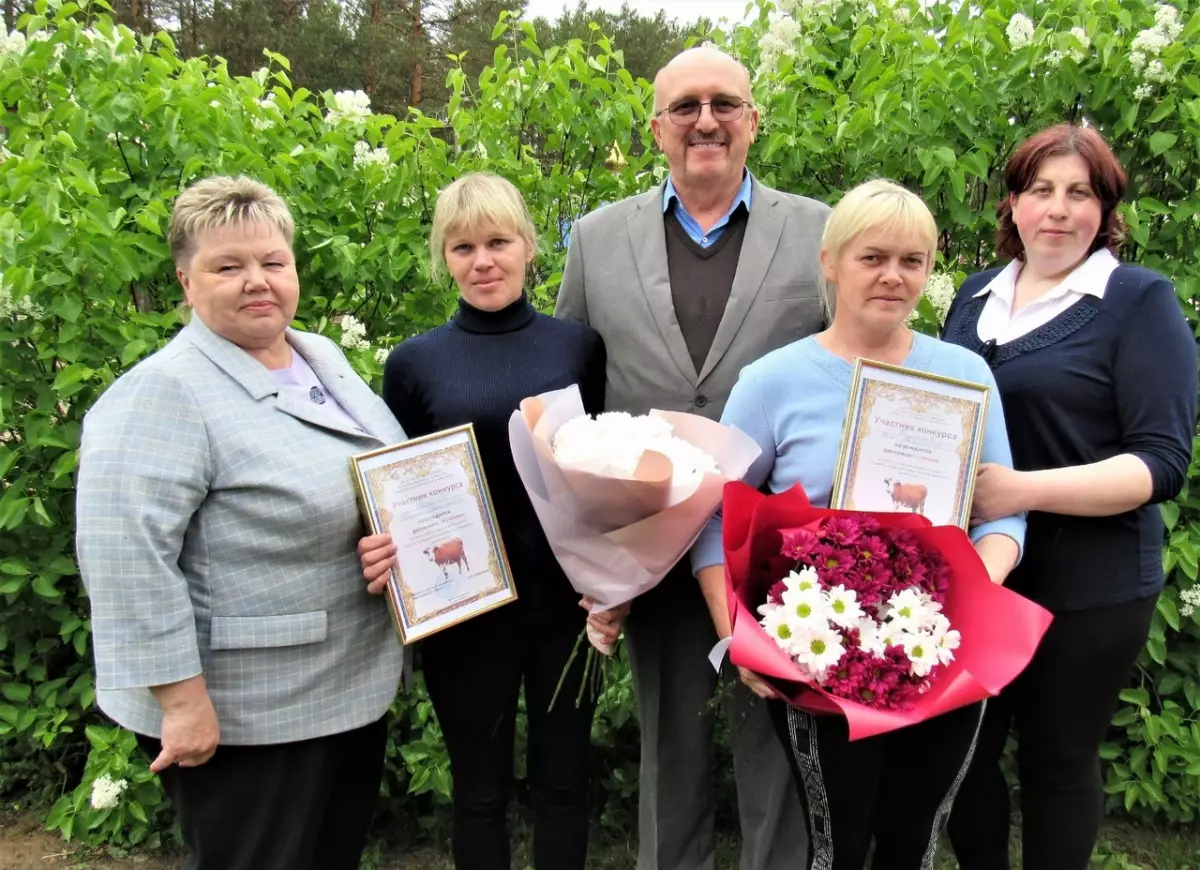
{"x": 494, "y": 352}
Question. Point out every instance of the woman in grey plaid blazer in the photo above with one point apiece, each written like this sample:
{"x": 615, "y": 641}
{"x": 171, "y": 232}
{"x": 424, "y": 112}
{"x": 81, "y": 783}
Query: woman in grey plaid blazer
{"x": 217, "y": 524}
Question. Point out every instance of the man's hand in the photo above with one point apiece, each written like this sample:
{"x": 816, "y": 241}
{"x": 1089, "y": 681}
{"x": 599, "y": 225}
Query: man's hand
{"x": 378, "y": 555}
{"x": 190, "y": 732}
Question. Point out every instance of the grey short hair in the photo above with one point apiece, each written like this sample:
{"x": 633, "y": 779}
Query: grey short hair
{"x": 219, "y": 201}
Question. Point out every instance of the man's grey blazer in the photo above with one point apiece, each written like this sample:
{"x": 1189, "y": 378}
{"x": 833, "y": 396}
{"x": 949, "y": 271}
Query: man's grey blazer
{"x": 217, "y": 525}
{"x": 616, "y": 280}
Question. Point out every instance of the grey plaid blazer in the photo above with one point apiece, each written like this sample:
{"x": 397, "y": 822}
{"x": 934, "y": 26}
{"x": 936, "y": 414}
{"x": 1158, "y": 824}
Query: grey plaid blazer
{"x": 217, "y": 524}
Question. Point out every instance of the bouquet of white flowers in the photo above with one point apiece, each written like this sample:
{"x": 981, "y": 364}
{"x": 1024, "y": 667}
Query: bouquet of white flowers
{"x": 621, "y": 498}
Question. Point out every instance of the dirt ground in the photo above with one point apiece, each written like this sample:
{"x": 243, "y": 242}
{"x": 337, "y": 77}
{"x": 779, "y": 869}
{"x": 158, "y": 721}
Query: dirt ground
{"x": 25, "y": 846}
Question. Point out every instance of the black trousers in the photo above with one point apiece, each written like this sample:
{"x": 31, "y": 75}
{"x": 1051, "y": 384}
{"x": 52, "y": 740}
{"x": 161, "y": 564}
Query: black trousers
{"x": 289, "y": 806}
{"x": 894, "y": 788}
{"x": 1061, "y": 705}
{"x": 474, "y": 673}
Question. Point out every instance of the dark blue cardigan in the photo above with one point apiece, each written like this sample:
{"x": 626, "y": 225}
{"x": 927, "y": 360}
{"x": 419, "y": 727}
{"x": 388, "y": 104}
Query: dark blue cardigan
{"x": 1107, "y": 376}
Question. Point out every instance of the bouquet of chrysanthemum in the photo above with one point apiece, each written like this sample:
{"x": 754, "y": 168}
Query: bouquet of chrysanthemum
{"x": 883, "y": 618}
{"x": 620, "y": 497}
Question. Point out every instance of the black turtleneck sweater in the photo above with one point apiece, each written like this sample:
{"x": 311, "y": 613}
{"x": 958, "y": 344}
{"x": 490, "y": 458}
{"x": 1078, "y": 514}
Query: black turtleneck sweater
{"x": 476, "y": 369}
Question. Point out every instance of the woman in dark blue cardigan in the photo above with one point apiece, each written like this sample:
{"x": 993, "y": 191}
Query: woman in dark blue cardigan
{"x": 1096, "y": 368}
{"x": 494, "y": 352}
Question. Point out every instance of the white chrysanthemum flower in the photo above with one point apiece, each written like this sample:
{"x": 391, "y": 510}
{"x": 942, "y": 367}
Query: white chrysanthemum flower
{"x": 921, "y": 651}
{"x": 806, "y": 608}
{"x": 871, "y": 637}
{"x": 1191, "y": 600}
{"x": 910, "y": 610}
{"x": 944, "y": 645}
{"x": 844, "y": 609}
{"x": 1143, "y": 92}
{"x": 1156, "y": 71}
{"x": 381, "y": 355}
{"x": 819, "y": 649}
{"x": 612, "y": 445}
{"x": 354, "y": 333}
{"x": 803, "y": 580}
{"x": 106, "y": 792}
{"x": 365, "y": 155}
{"x": 352, "y": 106}
{"x": 1020, "y": 31}
{"x": 777, "y": 626}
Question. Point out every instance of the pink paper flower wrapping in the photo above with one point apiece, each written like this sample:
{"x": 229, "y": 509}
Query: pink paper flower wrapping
{"x": 616, "y": 538}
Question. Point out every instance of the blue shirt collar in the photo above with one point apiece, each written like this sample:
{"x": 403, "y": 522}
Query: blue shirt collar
{"x": 742, "y": 198}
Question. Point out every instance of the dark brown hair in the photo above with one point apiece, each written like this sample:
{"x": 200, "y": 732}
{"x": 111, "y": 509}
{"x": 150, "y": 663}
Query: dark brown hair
{"x": 1107, "y": 180}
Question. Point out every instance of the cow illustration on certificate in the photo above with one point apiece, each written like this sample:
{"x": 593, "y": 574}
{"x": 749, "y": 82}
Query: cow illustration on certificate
{"x": 911, "y": 443}
{"x": 431, "y": 496}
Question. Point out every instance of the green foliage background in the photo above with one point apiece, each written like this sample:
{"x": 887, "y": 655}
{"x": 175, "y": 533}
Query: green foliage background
{"x": 103, "y": 127}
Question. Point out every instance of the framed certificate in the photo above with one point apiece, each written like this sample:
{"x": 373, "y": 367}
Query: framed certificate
{"x": 911, "y": 442}
{"x": 431, "y": 496}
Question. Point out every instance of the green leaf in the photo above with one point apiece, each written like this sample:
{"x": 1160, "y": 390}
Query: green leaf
{"x": 18, "y": 693}
{"x": 1160, "y": 142}
{"x": 68, "y": 308}
{"x": 44, "y": 587}
{"x": 15, "y": 566}
{"x": 72, "y": 375}
{"x": 1169, "y": 612}
{"x": 1139, "y": 696}
{"x": 1170, "y": 514}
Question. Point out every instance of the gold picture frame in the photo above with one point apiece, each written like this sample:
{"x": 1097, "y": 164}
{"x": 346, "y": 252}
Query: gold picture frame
{"x": 431, "y": 495}
{"x": 911, "y": 441}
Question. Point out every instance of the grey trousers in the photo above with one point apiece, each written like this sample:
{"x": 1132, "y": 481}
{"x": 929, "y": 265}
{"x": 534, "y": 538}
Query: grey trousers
{"x": 670, "y": 634}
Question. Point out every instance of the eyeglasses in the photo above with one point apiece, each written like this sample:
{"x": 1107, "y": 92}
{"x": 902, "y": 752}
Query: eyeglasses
{"x": 687, "y": 111}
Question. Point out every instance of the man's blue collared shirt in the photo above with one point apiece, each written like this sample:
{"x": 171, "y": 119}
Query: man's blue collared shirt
{"x": 689, "y": 223}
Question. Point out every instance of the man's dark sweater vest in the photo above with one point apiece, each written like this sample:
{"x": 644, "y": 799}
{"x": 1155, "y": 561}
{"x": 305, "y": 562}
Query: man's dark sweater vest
{"x": 701, "y": 279}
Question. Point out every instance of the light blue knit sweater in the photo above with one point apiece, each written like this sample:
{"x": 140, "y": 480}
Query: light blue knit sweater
{"x": 793, "y": 403}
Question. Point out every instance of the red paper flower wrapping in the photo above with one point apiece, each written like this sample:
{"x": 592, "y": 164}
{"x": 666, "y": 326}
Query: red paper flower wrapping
{"x": 1000, "y": 630}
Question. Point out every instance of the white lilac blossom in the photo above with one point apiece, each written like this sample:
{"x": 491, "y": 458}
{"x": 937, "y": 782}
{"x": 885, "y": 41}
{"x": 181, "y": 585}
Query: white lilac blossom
{"x": 1166, "y": 20}
{"x": 1143, "y": 92}
{"x": 1020, "y": 31}
{"x": 12, "y": 44}
{"x": 939, "y": 290}
{"x": 1055, "y": 58}
{"x": 351, "y": 106}
{"x": 365, "y": 155}
{"x": 612, "y": 445}
{"x": 265, "y": 121}
{"x": 902, "y": 14}
{"x": 1190, "y": 600}
{"x": 381, "y": 355}
{"x": 1156, "y": 71}
{"x": 354, "y": 333}
{"x": 17, "y": 309}
{"x": 106, "y": 792}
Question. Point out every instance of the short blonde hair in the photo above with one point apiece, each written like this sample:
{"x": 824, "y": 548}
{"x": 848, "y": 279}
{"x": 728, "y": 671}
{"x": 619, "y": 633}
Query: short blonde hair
{"x": 219, "y": 201}
{"x": 471, "y": 201}
{"x": 877, "y": 204}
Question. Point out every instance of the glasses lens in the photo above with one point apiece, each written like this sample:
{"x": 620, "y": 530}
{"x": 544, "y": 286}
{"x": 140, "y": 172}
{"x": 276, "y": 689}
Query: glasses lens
{"x": 726, "y": 110}
{"x": 685, "y": 110}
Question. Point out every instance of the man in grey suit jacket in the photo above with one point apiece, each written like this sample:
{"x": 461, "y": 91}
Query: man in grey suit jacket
{"x": 687, "y": 284}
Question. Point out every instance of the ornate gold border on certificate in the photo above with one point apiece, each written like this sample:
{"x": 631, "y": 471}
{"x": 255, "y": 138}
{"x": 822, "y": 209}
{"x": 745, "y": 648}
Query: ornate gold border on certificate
{"x": 400, "y": 601}
{"x": 864, "y": 392}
